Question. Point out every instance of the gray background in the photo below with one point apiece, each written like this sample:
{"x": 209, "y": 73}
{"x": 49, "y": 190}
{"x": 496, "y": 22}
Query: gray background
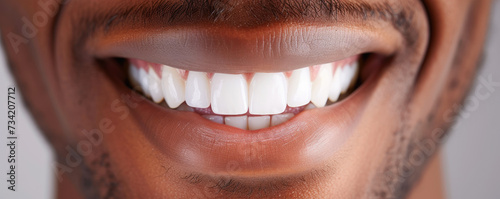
{"x": 471, "y": 154}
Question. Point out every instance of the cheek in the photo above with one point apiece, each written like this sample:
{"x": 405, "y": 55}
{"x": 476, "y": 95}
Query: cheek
{"x": 382, "y": 132}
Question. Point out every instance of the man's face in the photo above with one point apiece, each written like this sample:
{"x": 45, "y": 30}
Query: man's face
{"x": 243, "y": 98}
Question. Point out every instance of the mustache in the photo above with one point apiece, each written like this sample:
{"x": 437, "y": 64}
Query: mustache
{"x": 243, "y": 13}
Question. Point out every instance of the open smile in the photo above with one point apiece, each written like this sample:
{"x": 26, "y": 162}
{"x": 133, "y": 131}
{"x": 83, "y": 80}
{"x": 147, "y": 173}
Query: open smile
{"x": 249, "y": 101}
{"x": 206, "y": 116}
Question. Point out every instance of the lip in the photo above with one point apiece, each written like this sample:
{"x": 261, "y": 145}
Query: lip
{"x": 302, "y": 143}
{"x": 227, "y": 50}
{"x": 296, "y": 146}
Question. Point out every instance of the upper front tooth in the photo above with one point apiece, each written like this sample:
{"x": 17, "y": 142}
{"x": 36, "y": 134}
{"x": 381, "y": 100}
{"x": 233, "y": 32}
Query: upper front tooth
{"x": 198, "y": 90}
{"x": 144, "y": 82}
{"x": 268, "y": 93}
{"x": 155, "y": 86}
{"x": 321, "y": 85}
{"x": 299, "y": 88}
{"x": 229, "y": 94}
{"x": 173, "y": 86}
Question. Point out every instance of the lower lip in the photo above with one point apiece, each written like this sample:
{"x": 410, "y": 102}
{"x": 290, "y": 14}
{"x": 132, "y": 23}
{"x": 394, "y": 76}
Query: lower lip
{"x": 300, "y": 144}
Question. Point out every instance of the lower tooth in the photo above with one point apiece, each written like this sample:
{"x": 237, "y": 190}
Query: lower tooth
{"x": 259, "y": 122}
{"x": 238, "y": 122}
{"x": 280, "y": 119}
{"x": 310, "y": 106}
{"x": 214, "y": 118}
{"x": 184, "y": 107}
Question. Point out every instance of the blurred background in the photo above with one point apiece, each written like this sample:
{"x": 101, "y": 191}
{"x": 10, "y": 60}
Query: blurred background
{"x": 471, "y": 155}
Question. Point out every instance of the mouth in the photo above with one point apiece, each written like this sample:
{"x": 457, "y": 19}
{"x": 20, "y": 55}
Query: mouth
{"x": 262, "y": 103}
{"x": 249, "y": 101}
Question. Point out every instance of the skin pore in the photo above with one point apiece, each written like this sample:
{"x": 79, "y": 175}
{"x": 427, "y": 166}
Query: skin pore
{"x": 421, "y": 59}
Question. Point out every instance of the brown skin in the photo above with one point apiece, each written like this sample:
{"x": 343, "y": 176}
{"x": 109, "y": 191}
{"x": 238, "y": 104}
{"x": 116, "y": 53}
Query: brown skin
{"x": 398, "y": 118}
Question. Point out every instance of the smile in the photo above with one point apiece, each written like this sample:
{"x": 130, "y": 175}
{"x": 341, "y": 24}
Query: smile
{"x": 250, "y": 101}
{"x": 221, "y": 96}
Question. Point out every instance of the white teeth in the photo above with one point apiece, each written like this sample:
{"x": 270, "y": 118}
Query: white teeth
{"x": 155, "y": 86}
{"x": 299, "y": 88}
{"x": 259, "y": 122}
{"x": 198, "y": 90}
{"x": 214, "y": 118}
{"x": 144, "y": 82}
{"x": 348, "y": 73}
{"x": 321, "y": 85}
{"x": 133, "y": 73}
{"x": 279, "y": 119}
{"x": 229, "y": 94}
{"x": 268, "y": 93}
{"x": 354, "y": 77}
{"x": 173, "y": 86}
{"x": 310, "y": 106}
{"x": 336, "y": 85}
{"x": 238, "y": 122}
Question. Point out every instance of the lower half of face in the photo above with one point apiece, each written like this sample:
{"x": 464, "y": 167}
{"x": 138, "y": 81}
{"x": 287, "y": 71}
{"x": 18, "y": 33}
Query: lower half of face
{"x": 244, "y": 99}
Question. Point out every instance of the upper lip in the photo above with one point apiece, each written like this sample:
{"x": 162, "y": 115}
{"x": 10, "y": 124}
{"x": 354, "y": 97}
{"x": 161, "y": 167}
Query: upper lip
{"x": 225, "y": 50}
